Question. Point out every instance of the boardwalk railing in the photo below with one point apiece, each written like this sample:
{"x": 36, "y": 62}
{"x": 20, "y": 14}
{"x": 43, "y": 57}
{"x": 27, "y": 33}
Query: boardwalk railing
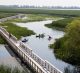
{"x": 37, "y": 63}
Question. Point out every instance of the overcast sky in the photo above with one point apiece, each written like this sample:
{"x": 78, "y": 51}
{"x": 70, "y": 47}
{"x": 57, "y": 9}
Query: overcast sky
{"x": 41, "y": 2}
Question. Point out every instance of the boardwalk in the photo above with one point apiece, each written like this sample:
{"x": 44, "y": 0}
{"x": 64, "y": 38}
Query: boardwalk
{"x": 27, "y": 55}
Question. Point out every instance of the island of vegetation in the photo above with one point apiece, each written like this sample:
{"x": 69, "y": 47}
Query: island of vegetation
{"x": 60, "y": 24}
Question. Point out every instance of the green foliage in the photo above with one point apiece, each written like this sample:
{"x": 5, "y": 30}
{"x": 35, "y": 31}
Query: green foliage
{"x": 41, "y": 11}
{"x": 60, "y": 23}
{"x": 39, "y": 17}
{"x": 2, "y": 41}
{"x": 6, "y": 69}
{"x": 68, "y": 47}
{"x": 34, "y": 17}
{"x": 16, "y": 30}
{"x": 3, "y": 14}
{"x": 73, "y": 34}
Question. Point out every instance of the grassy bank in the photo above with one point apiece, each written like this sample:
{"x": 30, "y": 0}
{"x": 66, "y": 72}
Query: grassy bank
{"x": 60, "y": 24}
{"x": 67, "y": 48}
{"x": 16, "y": 30}
{"x": 6, "y": 69}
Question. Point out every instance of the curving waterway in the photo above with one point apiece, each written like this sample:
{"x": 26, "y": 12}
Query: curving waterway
{"x": 41, "y": 45}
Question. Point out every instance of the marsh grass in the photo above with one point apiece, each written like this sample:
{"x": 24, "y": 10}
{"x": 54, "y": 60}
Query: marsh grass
{"x": 41, "y": 11}
{"x": 3, "y": 14}
{"x": 60, "y": 24}
{"x": 35, "y": 17}
{"x": 2, "y": 41}
{"x": 6, "y": 69}
{"x": 15, "y": 30}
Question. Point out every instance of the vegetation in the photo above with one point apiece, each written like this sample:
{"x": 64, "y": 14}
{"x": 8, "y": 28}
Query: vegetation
{"x": 3, "y": 15}
{"x": 41, "y": 11}
{"x": 2, "y": 41}
{"x": 67, "y": 48}
{"x": 40, "y": 17}
{"x": 16, "y": 30}
{"x": 34, "y": 17}
{"x": 6, "y": 69}
{"x": 60, "y": 24}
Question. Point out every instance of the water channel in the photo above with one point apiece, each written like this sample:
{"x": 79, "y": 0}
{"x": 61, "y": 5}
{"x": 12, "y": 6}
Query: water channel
{"x": 41, "y": 45}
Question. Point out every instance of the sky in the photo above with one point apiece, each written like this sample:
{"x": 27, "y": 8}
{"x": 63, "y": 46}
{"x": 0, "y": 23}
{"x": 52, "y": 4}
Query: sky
{"x": 41, "y": 2}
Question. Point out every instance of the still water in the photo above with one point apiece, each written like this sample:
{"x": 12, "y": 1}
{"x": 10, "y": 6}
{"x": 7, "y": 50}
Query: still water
{"x": 41, "y": 45}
